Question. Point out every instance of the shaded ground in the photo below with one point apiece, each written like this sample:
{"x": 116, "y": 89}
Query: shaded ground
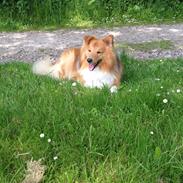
{"x": 30, "y": 46}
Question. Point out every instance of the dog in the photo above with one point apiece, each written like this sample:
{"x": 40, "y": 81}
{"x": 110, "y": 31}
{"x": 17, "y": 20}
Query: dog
{"x": 94, "y": 64}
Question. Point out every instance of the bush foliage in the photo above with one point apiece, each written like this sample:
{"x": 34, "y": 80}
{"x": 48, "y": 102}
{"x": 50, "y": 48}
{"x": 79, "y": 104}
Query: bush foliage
{"x": 44, "y": 12}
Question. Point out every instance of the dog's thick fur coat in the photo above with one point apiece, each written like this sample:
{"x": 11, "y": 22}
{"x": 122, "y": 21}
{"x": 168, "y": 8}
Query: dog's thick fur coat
{"x": 94, "y": 64}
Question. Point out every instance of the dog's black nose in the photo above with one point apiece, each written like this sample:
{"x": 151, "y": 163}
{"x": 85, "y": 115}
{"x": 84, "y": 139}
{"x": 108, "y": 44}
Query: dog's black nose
{"x": 89, "y": 60}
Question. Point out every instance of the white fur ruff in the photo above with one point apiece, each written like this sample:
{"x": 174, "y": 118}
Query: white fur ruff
{"x": 97, "y": 78}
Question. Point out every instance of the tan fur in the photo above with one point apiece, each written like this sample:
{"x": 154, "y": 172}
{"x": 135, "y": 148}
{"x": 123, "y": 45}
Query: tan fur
{"x": 72, "y": 60}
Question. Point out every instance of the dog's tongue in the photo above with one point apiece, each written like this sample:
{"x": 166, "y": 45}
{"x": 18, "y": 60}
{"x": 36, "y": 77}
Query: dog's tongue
{"x": 91, "y": 67}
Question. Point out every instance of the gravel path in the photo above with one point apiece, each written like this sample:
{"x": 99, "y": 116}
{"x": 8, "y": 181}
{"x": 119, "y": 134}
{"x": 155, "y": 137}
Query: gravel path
{"x": 30, "y": 46}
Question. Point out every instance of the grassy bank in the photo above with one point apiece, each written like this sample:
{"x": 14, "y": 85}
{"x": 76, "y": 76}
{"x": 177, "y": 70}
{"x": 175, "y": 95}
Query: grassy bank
{"x": 51, "y": 14}
{"x": 132, "y": 136}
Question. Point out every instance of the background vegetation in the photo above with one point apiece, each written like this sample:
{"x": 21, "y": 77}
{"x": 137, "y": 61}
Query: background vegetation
{"x": 21, "y": 14}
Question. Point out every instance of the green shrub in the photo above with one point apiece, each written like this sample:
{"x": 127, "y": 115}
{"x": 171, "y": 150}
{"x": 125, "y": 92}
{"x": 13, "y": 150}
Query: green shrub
{"x": 61, "y": 12}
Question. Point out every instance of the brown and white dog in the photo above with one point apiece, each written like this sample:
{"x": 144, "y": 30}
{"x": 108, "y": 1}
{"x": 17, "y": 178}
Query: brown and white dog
{"x": 94, "y": 64}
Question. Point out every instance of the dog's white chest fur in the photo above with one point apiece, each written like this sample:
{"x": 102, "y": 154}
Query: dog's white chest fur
{"x": 97, "y": 78}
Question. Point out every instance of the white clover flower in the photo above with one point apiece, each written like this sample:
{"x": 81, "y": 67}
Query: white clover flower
{"x": 75, "y": 93}
{"x": 41, "y": 135}
{"x": 165, "y": 101}
{"x": 55, "y": 157}
{"x": 157, "y": 79}
{"x": 113, "y": 89}
{"x": 178, "y": 70}
{"x": 158, "y": 94}
{"x": 178, "y": 90}
{"x": 130, "y": 90}
{"x": 161, "y": 87}
{"x": 74, "y": 84}
{"x": 160, "y": 60}
{"x": 49, "y": 140}
{"x": 168, "y": 93}
{"x": 151, "y": 132}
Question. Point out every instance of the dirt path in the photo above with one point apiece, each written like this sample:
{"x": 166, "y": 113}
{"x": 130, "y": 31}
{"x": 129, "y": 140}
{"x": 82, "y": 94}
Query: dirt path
{"x": 29, "y": 46}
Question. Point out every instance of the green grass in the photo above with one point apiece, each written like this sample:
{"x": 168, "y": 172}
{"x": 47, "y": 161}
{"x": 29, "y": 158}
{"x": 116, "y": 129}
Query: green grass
{"x": 147, "y": 46}
{"x": 97, "y": 136}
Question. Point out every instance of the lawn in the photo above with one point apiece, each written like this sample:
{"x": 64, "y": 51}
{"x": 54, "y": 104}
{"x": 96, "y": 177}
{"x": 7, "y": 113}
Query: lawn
{"x": 133, "y": 136}
{"x": 147, "y": 46}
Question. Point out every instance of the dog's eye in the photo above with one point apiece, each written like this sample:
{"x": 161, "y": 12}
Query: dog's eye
{"x": 89, "y": 50}
{"x": 99, "y": 52}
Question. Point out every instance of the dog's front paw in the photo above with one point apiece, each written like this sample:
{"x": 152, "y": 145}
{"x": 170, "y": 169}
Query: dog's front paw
{"x": 113, "y": 89}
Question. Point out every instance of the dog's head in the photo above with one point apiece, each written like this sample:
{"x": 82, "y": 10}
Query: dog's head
{"x": 95, "y": 50}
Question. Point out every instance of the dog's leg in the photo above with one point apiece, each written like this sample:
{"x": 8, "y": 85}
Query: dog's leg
{"x": 77, "y": 77}
{"x": 61, "y": 74}
{"x": 116, "y": 82}
{"x": 114, "y": 87}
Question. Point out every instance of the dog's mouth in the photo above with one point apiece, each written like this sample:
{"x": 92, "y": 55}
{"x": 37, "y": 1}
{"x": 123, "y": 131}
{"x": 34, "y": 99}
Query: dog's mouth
{"x": 92, "y": 66}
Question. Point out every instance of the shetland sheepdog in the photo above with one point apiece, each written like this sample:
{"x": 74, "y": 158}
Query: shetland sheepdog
{"x": 94, "y": 64}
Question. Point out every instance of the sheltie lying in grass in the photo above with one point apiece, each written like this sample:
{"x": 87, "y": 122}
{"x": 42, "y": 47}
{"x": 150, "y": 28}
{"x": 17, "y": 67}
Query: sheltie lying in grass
{"x": 94, "y": 64}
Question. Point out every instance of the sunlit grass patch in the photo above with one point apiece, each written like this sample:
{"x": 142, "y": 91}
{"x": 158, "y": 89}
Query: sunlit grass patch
{"x": 148, "y": 46}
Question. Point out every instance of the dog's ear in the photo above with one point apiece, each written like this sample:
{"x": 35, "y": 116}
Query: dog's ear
{"x": 109, "y": 40}
{"x": 88, "y": 39}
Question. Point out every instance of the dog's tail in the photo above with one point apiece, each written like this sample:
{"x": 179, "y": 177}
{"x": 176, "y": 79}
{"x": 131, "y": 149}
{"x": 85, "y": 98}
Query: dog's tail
{"x": 46, "y": 67}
